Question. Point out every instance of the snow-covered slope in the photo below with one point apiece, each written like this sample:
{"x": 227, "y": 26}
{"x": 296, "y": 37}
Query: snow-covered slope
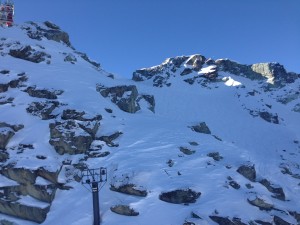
{"x": 191, "y": 141}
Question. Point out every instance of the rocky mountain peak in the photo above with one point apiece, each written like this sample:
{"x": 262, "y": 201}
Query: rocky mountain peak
{"x": 196, "y": 68}
{"x": 46, "y": 30}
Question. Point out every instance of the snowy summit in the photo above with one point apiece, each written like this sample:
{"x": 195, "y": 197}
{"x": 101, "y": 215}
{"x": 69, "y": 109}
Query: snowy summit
{"x": 192, "y": 141}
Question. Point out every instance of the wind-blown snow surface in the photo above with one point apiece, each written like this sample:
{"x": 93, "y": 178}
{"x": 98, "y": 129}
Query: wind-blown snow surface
{"x": 150, "y": 140}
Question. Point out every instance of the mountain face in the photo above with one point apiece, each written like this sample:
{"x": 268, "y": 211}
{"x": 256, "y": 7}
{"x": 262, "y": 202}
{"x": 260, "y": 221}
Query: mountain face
{"x": 191, "y": 141}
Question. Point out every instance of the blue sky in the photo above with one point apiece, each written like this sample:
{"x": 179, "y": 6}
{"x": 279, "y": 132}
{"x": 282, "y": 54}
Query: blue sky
{"x": 125, "y": 35}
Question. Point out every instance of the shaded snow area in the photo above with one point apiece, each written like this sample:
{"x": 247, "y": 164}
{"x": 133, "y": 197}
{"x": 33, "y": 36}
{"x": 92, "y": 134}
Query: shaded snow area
{"x": 191, "y": 141}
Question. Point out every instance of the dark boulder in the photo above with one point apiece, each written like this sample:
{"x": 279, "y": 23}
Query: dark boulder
{"x": 180, "y": 196}
{"x": 201, "y": 128}
{"x": 221, "y": 220}
{"x": 43, "y": 93}
{"x": 129, "y": 189}
{"x": 29, "y": 54}
{"x": 248, "y": 172}
{"x": 124, "y": 210}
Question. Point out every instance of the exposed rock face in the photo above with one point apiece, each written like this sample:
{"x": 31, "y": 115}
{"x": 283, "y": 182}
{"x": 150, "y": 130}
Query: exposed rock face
{"x": 14, "y": 81}
{"x": 7, "y": 131}
{"x": 43, "y": 93}
{"x": 124, "y": 210}
{"x": 197, "y": 67}
{"x": 215, "y": 155}
{"x": 274, "y": 72}
{"x": 24, "y": 211}
{"x": 5, "y": 135}
{"x": 186, "y": 151}
{"x": 129, "y": 189}
{"x": 43, "y": 109}
{"x": 221, "y": 220}
{"x": 278, "y": 221}
{"x": 86, "y": 58}
{"x": 180, "y": 196}
{"x": 126, "y": 98}
{"x": 260, "y": 203}
{"x": 27, "y": 186}
{"x": 29, "y": 54}
{"x": 49, "y": 31}
{"x": 109, "y": 140}
{"x": 75, "y": 133}
{"x": 277, "y": 191}
{"x": 201, "y": 128}
{"x": 248, "y": 172}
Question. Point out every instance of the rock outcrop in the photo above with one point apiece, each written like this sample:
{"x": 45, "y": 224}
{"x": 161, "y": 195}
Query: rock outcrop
{"x": 248, "y": 171}
{"x": 197, "y": 67}
{"x": 48, "y": 30}
{"x": 30, "y": 54}
{"x": 126, "y": 98}
{"x": 180, "y": 196}
{"x": 27, "y": 187}
{"x": 124, "y": 210}
{"x": 74, "y": 134}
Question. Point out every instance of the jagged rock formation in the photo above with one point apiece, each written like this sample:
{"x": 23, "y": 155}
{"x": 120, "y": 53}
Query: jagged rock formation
{"x": 30, "y": 54}
{"x": 196, "y": 67}
{"x": 129, "y": 189}
{"x": 126, "y": 98}
{"x": 75, "y": 133}
{"x": 49, "y": 31}
{"x": 26, "y": 186}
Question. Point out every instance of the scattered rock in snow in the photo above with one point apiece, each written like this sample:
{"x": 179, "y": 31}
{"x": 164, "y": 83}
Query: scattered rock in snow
{"x": 201, "y": 128}
{"x": 129, "y": 189}
{"x": 71, "y": 114}
{"x": 277, "y": 191}
{"x": 261, "y": 204}
{"x": 29, "y": 54}
{"x": 72, "y": 137}
{"x": 109, "y": 139}
{"x": 296, "y": 108}
{"x": 215, "y": 155}
{"x": 70, "y": 58}
{"x": 233, "y": 183}
{"x": 278, "y": 221}
{"x": 226, "y": 221}
{"x": 86, "y": 58}
{"x": 186, "y": 151}
{"x": 43, "y": 109}
{"x": 269, "y": 117}
{"x": 248, "y": 172}
{"x": 124, "y": 210}
{"x": 180, "y": 196}
{"x": 43, "y": 93}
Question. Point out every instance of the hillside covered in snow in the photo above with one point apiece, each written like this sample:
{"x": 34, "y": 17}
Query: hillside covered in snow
{"x": 192, "y": 141}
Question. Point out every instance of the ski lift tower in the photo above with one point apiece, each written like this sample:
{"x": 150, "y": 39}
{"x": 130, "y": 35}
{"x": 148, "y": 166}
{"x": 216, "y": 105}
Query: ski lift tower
{"x": 7, "y": 11}
{"x": 95, "y": 179}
